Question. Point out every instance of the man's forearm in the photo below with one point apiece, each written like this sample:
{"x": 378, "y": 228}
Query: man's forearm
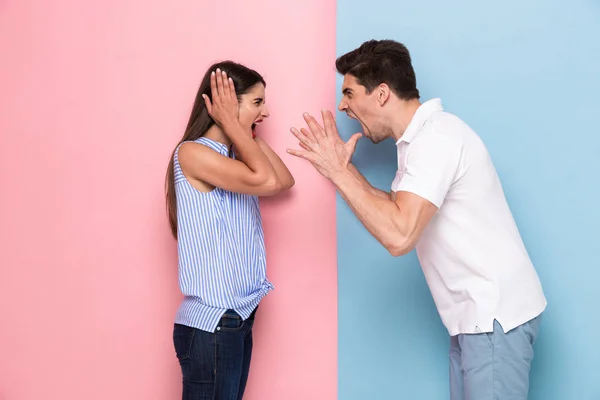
{"x": 373, "y": 190}
{"x": 378, "y": 214}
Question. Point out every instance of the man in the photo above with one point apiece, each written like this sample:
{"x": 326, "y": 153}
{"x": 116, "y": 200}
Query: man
{"x": 447, "y": 201}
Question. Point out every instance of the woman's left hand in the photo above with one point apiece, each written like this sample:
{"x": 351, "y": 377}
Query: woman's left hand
{"x": 224, "y": 108}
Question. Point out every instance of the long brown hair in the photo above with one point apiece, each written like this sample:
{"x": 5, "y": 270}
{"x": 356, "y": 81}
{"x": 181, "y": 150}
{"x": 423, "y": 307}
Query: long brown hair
{"x": 200, "y": 122}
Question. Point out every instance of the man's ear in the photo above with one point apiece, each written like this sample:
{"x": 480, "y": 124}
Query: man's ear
{"x": 383, "y": 93}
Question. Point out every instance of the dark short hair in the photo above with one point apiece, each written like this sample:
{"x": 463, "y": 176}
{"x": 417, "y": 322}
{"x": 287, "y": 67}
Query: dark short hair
{"x": 381, "y": 61}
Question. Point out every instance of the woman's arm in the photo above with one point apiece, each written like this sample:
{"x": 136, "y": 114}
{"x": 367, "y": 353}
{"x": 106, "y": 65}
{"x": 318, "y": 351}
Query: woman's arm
{"x": 254, "y": 176}
{"x": 284, "y": 175}
{"x": 201, "y": 163}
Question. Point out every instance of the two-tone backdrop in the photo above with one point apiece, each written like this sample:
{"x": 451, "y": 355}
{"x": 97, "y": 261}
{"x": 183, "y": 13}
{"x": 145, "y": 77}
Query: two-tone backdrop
{"x": 93, "y": 97}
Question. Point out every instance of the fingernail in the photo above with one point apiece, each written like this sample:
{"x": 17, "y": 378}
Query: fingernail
{"x": 212, "y": 73}
{"x": 218, "y": 69}
{"x": 305, "y": 114}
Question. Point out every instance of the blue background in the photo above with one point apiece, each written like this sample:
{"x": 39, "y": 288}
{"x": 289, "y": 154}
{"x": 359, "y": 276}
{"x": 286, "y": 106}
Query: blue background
{"x": 526, "y": 77}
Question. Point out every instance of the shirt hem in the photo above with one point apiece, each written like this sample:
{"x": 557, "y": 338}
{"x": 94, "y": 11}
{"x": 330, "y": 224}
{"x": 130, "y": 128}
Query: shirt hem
{"x": 195, "y": 314}
{"x": 487, "y": 326}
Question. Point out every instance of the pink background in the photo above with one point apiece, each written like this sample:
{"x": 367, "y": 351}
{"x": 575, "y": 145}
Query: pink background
{"x": 93, "y": 97}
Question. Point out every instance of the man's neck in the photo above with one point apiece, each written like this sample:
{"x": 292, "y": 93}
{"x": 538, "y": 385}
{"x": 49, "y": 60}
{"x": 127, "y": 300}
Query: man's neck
{"x": 400, "y": 120}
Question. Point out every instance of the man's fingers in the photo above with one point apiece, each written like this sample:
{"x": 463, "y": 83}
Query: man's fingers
{"x": 302, "y": 137}
{"x": 351, "y": 143}
{"x": 308, "y": 134}
{"x": 314, "y": 126}
{"x": 305, "y": 147}
{"x": 305, "y": 137}
{"x": 307, "y": 155}
{"x": 328, "y": 121}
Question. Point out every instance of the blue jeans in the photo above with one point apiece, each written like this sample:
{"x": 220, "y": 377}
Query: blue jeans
{"x": 494, "y": 365}
{"x": 215, "y": 366}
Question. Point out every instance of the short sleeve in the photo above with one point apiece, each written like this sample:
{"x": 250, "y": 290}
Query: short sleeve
{"x": 432, "y": 161}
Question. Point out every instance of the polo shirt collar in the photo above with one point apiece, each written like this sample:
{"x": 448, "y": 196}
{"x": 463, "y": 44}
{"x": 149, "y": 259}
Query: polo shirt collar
{"x": 418, "y": 120}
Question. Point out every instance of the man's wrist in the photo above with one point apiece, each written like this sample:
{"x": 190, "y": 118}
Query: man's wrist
{"x": 341, "y": 176}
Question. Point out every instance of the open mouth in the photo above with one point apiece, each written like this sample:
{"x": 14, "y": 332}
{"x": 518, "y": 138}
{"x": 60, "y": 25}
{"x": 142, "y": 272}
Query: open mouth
{"x": 366, "y": 132}
{"x": 257, "y": 122}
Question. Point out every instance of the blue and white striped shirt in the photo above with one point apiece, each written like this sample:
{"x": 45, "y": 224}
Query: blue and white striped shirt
{"x": 221, "y": 248}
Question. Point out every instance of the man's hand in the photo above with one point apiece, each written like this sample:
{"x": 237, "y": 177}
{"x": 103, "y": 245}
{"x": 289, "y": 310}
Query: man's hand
{"x": 224, "y": 108}
{"x": 323, "y": 147}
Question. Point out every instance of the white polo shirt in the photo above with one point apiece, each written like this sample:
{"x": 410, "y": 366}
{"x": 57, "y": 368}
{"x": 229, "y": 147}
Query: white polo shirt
{"x": 471, "y": 253}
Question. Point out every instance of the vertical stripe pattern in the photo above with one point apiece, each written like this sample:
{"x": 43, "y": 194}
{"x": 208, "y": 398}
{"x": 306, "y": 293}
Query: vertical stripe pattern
{"x": 221, "y": 249}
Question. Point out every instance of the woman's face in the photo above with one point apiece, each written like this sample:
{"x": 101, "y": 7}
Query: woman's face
{"x": 252, "y": 107}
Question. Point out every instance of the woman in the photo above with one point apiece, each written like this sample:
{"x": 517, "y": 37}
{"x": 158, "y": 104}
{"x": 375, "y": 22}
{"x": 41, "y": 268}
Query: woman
{"x": 215, "y": 175}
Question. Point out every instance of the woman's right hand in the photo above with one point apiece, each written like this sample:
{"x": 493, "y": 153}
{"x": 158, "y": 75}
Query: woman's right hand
{"x": 224, "y": 108}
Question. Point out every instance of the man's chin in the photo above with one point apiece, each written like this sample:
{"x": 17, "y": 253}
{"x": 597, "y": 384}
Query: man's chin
{"x": 373, "y": 139}
{"x": 368, "y": 135}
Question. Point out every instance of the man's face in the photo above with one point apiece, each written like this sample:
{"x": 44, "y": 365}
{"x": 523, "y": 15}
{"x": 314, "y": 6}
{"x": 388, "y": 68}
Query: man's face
{"x": 363, "y": 107}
